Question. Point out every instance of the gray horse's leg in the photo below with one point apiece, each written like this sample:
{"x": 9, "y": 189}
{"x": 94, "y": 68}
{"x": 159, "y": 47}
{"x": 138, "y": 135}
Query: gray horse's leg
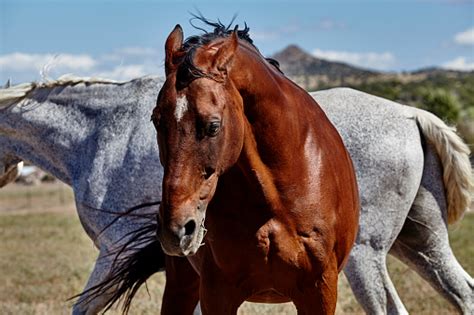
{"x": 382, "y": 218}
{"x": 366, "y": 269}
{"x": 101, "y": 270}
{"x": 424, "y": 245}
{"x": 369, "y": 280}
{"x": 389, "y": 166}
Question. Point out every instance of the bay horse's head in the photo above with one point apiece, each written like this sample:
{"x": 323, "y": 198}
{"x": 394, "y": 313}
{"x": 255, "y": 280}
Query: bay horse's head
{"x": 199, "y": 120}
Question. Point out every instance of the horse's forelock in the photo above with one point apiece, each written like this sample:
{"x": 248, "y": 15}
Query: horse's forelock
{"x": 188, "y": 71}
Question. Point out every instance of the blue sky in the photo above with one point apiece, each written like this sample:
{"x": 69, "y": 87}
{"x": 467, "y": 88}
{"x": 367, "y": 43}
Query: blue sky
{"x": 124, "y": 39}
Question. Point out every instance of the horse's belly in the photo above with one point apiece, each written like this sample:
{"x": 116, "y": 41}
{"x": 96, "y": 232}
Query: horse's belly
{"x": 269, "y": 296}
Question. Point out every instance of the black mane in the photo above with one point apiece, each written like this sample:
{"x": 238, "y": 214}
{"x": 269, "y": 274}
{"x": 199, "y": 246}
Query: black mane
{"x": 187, "y": 71}
{"x": 220, "y": 31}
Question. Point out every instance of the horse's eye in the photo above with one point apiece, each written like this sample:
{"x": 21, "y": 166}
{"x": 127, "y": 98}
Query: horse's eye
{"x": 213, "y": 128}
{"x": 155, "y": 119}
{"x": 156, "y": 123}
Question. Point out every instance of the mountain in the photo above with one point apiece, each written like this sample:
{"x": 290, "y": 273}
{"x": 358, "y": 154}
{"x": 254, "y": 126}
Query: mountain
{"x": 447, "y": 93}
{"x": 313, "y": 73}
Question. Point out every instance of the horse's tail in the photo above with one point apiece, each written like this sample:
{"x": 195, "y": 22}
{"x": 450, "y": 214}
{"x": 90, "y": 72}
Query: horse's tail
{"x": 137, "y": 256}
{"x": 126, "y": 277}
{"x": 454, "y": 156}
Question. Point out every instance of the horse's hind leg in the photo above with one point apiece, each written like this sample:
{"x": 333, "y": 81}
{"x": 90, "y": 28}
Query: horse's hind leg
{"x": 366, "y": 268}
{"x": 367, "y": 274}
{"x": 424, "y": 245}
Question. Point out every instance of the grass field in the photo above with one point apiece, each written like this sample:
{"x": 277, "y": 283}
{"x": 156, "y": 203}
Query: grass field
{"x": 45, "y": 258}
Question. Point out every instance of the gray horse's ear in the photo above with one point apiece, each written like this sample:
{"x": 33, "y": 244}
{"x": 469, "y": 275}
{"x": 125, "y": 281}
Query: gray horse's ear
{"x": 8, "y": 84}
{"x": 173, "y": 48}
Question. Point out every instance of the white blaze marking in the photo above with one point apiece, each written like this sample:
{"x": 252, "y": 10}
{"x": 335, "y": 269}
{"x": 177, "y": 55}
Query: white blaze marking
{"x": 181, "y": 107}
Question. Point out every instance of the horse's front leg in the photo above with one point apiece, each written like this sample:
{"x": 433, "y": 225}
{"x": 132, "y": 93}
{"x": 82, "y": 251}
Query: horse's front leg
{"x": 321, "y": 297}
{"x": 218, "y": 296}
{"x": 182, "y": 287}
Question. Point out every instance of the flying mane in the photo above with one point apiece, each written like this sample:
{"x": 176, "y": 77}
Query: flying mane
{"x": 13, "y": 95}
{"x": 187, "y": 70}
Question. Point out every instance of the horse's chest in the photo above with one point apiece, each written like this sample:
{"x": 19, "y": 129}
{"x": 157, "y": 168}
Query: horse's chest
{"x": 263, "y": 252}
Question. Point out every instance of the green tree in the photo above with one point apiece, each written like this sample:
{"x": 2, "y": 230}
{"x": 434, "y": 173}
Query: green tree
{"x": 442, "y": 103}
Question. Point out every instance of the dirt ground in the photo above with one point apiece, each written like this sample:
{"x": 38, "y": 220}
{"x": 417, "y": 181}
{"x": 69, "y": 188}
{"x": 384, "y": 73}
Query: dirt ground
{"x": 45, "y": 258}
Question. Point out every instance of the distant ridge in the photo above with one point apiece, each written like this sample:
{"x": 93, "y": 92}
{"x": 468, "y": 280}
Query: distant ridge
{"x": 298, "y": 62}
{"x": 313, "y": 73}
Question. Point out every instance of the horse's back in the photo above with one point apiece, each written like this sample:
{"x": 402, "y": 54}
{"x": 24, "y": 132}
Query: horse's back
{"x": 384, "y": 143}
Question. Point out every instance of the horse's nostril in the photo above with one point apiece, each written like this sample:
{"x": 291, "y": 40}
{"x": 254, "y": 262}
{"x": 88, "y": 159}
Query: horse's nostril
{"x": 208, "y": 171}
{"x": 189, "y": 227}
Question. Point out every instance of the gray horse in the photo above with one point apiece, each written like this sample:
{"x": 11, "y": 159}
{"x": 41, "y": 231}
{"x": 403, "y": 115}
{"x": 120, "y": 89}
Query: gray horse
{"x": 413, "y": 172}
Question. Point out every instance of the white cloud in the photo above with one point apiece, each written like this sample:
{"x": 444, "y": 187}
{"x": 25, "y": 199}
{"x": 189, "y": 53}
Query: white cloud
{"x": 131, "y": 52}
{"x": 137, "y": 51}
{"x": 35, "y": 62}
{"x": 330, "y": 24}
{"x": 263, "y": 35}
{"x": 293, "y": 27}
{"x": 121, "y": 64}
{"x": 448, "y": 2}
{"x": 459, "y": 63}
{"x": 271, "y": 34}
{"x": 465, "y": 38}
{"x": 371, "y": 60}
{"x": 124, "y": 72}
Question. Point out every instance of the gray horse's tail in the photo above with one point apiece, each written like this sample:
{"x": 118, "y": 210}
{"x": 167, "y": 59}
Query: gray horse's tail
{"x": 137, "y": 256}
{"x": 454, "y": 156}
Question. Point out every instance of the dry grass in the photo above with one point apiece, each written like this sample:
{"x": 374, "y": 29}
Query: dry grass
{"x": 45, "y": 258}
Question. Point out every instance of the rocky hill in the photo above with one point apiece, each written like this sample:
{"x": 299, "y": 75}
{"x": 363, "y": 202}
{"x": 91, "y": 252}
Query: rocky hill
{"x": 313, "y": 73}
{"x": 449, "y": 94}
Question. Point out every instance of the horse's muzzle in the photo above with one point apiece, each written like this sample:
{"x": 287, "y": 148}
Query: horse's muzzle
{"x": 181, "y": 239}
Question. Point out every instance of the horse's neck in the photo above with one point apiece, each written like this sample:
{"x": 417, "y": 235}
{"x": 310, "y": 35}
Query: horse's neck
{"x": 36, "y": 134}
{"x": 274, "y": 101}
{"x": 62, "y": 134}
{"x": 280, "y": 126}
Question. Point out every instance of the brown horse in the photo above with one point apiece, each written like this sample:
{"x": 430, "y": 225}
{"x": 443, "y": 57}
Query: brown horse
{"x": 239, "y": 139}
